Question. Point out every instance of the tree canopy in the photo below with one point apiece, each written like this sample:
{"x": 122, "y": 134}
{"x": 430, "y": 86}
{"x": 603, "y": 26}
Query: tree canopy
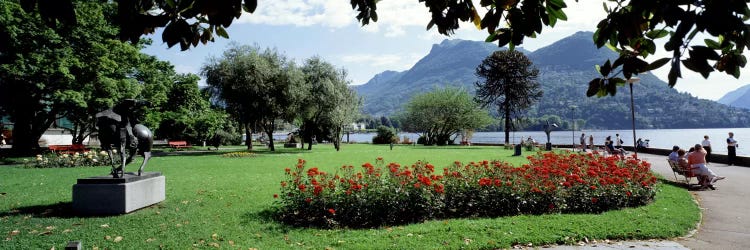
{"x": 441, "y": 113}
{"x": 328, "y": 104}
{"x": 631, "y": 28}
{"x": 48, "y": 75}
{"x": 259, "y": 87}
{"x": 510, "y": 83}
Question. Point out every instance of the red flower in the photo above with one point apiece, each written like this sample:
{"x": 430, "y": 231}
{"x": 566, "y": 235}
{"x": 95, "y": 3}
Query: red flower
{"x": 308, "y": 200}
{"x": 275, "y": 196}
{"x": 302, "y": 187}
{"x": 332, "y": 211}
{"x": 439, "y": 188}
{"x": 594, "y": 200}
{"x": 484, "y": 181}
{"x": 312, "y": 172}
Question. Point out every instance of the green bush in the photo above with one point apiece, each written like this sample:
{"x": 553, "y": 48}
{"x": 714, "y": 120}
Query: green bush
{"x": 385, "y": 135}
{"x": 222, "y": 137}
{"x": 378, "y": 196}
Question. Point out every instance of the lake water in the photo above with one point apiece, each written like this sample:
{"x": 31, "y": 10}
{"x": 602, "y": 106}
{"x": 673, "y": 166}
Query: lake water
{"x": 658, "y": 138}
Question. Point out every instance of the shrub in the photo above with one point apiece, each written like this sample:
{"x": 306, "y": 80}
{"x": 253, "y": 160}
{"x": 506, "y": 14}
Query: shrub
{"x": 377, "y": 196}
{"x": 222, "y": 137}
{"x": 85, "y": 159}
{"x": 385, "y": 135}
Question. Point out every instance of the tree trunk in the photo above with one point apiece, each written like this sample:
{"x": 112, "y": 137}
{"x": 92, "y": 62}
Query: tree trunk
{"x": 269, "y": 132}
{"x": 248, "y": 137}
{"x": 507, "y": 126}
{"x": 337, "y": 139}
{"x": 25, "y": 137}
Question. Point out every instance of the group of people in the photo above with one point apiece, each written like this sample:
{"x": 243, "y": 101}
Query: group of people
{"x": 612, "y": 146}
{"x": 697, "y": 158}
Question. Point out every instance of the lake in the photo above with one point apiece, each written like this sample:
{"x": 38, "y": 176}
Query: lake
{"x": 658, "y": 138}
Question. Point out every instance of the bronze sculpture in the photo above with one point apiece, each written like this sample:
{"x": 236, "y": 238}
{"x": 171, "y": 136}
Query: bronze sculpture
{"x": 119, "y": 128}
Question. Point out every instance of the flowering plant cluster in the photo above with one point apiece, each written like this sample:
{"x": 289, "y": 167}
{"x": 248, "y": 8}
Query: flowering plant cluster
{"x": 238, "y": 154}
{"x": 391, "y": 194}
{"x": 85, "y": 159}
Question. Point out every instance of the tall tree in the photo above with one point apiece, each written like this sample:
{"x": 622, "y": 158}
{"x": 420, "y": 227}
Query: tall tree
{"x": 631, "y": 27}
{"x": 439, "y": 114}
{"x": 344, "y": 114}
{"x": 508, "y": 80}
{"x": 188, "y": 115}
{"x": 328, "y": 104}
{"x": 48, "y": 75}
{"x": 258, "y": 87}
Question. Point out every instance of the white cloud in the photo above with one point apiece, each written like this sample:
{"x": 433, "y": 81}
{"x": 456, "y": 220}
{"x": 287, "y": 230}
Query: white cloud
{"x": 185, "y": 69}
{"x": 334, "y": 14}
{"x": 388, "y": 61}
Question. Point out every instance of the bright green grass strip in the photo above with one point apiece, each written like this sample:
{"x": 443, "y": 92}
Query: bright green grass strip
{"x": 213, "y": 200}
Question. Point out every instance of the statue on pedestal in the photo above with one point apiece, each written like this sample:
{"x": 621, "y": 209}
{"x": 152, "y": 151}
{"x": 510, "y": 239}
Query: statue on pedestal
{"x": 119, "y": 129}
{"x": 547, "y": 129}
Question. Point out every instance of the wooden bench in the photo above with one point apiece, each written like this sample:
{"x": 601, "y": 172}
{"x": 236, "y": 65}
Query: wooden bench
{"x": 178, "y": 144}
{"x": 68, "y": 149}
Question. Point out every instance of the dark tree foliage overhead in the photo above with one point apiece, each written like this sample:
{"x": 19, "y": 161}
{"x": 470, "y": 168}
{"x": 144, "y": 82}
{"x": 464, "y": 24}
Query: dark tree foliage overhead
{"x": 510, "y": 83}
{"x": 631, "y": 27}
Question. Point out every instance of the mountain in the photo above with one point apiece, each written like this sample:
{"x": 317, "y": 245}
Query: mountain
{"x": 737, "y": 98}
{"x": 566, "y": 67}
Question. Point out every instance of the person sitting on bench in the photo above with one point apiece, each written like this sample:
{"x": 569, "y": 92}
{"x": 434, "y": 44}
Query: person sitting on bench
{"x": 697, "y": 161}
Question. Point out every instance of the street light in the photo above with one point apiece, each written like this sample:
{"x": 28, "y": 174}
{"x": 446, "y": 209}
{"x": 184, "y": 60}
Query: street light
{"x": 632, "y": 113}
{"x": 573, "y": 119}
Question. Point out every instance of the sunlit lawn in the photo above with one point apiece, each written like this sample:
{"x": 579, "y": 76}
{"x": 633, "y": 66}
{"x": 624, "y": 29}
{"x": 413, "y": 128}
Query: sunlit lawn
{"x": 213, "y": 201}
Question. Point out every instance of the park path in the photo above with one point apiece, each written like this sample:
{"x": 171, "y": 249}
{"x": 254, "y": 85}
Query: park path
{"x": 726, "y": 210}
{"x": 725, "y": 222}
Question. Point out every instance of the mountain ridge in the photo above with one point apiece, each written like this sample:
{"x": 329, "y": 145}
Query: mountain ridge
{"x": 739, "y": 97}
{"x": 566, "y": 67}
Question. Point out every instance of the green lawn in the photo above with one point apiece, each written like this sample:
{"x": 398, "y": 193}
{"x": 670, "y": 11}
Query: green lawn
{"x": 216, "y": 201}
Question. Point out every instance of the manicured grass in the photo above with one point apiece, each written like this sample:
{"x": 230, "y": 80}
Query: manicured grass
{"x": 218, "y": 201}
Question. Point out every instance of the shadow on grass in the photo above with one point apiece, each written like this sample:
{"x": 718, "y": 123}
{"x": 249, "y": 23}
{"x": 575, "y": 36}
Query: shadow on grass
{"x": 261, "y": 151}
{"x": 449, "y": 147}
{"x": 58, "y": 210}
{"x": 681, "y": 184}
{"x": 267, "y": 218}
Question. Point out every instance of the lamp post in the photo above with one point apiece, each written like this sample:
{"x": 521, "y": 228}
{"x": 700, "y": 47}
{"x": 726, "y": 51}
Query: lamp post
{"x": 632, "y": 113}
{"x": 573, "y": 119}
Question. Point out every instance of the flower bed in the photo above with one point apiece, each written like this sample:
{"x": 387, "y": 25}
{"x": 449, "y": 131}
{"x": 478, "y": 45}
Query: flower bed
{"x": 393, "y": 194}
{"x": 85, "y": 159}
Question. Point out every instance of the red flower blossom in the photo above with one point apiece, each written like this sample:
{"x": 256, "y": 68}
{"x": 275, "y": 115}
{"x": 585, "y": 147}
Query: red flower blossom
{"x": 275, "y": 196}
{"x": 439, "y": 188}
{"x": 332, "y": 211}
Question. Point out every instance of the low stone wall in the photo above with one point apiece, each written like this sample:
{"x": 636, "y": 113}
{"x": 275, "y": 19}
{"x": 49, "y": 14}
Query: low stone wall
{"x": 717, "y": 158}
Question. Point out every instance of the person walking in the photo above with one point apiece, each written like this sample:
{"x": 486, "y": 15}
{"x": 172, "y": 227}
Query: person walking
{"x": 583, "y": 142}
{"x": 591, "y": 143}
{"x": 707, "y": 146}
{"x": 618, "y": 141}
{"x": 731, "y": 149}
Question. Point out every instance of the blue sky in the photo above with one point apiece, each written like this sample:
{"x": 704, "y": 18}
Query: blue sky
{"x": 329, "y": 29}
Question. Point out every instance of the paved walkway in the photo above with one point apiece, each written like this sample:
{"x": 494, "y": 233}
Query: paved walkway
{"x": 726, "y": 213}
{"x": 726, "y": 210}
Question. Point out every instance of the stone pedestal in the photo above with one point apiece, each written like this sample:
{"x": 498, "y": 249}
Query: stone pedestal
{"x": 107, "y": 195}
